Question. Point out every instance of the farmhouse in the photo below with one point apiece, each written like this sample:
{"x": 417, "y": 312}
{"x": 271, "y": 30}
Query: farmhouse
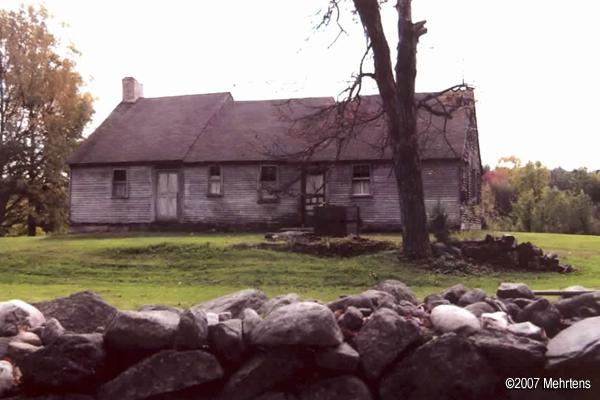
{"x": 209, "y": 161}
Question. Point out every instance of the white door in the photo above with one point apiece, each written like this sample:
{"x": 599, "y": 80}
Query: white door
{"x": 167, "y": 195}
{"x": 315, "y": 191}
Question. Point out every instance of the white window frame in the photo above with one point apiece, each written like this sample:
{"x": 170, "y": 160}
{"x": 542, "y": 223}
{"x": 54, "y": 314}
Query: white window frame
{"x": 213, "y": 179}
{"x": 361, "y": 181}
{"x": 125, "y": 183}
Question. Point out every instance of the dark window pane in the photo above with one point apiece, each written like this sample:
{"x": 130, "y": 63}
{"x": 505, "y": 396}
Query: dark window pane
{"x": 215, "y": 170}
{"x": 268, "y": 173}
{"x": 119, "y": 175}
{"x": 361, "y": 171}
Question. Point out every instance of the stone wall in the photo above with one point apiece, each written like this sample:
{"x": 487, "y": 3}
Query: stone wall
{"x": 381, "y": 344}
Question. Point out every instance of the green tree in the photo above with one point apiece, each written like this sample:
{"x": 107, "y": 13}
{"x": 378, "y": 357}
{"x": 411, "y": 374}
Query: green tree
{"x": 533, "y": 176}
{"x": 523, "y": 210}
{"x": 42, "y": 114}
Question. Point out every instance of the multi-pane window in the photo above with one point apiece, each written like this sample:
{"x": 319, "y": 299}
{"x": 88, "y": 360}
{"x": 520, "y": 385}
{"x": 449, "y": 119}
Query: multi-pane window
{"x": 215, "y": 181}
{"x": 268, "y": 182}
{"x": 361, "y": 180}
{"x": 119, "y": 184}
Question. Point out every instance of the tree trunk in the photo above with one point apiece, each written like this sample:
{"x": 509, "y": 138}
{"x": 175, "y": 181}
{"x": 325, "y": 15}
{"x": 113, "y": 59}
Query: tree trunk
{"x": 31, "y": 225}
{"x": 398, "y": 98}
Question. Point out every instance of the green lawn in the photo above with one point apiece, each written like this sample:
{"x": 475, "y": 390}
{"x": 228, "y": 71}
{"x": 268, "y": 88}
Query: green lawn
{"x": 182, "y": 269}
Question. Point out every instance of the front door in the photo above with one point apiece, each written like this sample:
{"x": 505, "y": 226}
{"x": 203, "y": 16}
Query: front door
{"x": 315, "y": 191}
{"x": 167, "y": 195}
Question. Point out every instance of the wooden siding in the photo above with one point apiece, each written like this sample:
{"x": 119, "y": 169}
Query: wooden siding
{"x": 239, "y": 203}
{"x": 92, "y": 201}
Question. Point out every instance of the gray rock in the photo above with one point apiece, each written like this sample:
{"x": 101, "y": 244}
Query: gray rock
{"x": 250, "y": 320}
{"x": 235, "y": 302}
{"x": 543, "y": 314}
{"x": 448, "y": 367}
{"x": 511, "y": 308}
{"x": 16, "y": 315}
{"x": 211, "y": 318}
{"x": 582, "y": 306}
{"x": 398, "y": 289}
{"x": 162, "y": 373}
{"x": 351, "y": 320}
{"x": 276, "y": 302}
{"x": 261, "y": 373}
{"x": 160, "y": 307}
{"x": 454, "y": 293}
{"x": 527, "y": 329}
{"x": 433, "y": 300}
{"x": 227, "y": 340}
{"x": 382, "y": 339}
{"x": 508, "y": 352}
{"x": 51, "y": 331}
{"x": 357, "y": 300}
{"x": 142, "y": 331}
{"x": 28, "y": 337}
{"x": 380, "y": 298}
{"x": 225, "y": 316}
{"x": 303, "y": 323}
{"x": 451, "y": 318}
{"x": 341, "y": 358}
{"x": 71, "y": 362}
{"x": 8, "y": 379}
{"x": 578, "y": 345}
{"x": 574, "y": 288}
{"x": 83, "y": 312}
{"x": 481, "y": 307}
{"x": 345, "y": 387}
{"x": 192, "y": 332}
{"x": 17, "y": 351}
{"x": 276, "y": 396}
{"x": 65, "y": 396}
{"x": 495, "y": 320}
{"x": 514, "y": 290}
{"x": 522, "y": 302}
{"x": 472, "y": 296}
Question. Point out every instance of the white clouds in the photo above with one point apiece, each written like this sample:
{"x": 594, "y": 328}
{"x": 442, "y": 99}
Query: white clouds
{"x": 534, "y": 63}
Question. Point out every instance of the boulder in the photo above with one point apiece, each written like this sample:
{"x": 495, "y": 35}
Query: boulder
{"x": 278, "y": 301}
{"x": 225, "y": 316}
{"x": 341, "y": 358}
{"x": 495, "y": 320}
{"x": 250, "y": 320}
{"x": 385, "y": 336}
{"x": 303, "y": 323}
{"x": 192, "y": 332}
{"x": 235, "y": 302}
{"x": 379, "y": 298}
{"x": 28, "y": 337}
{"x": 72, "y": 362}
{"x": 211, "y": 318}
{"x": 160, "y": 307}
{"x": 398, "y": 289}
{"x": 227, "y": 341}
{"x": 527, "y": 329}
{"x": 451, "y": 318}
{"x": 261, "y": 373}
{"x": 8, "y": 381}
{"x": 162, "y": 373}
{"x": 578, "y": 345}
{"x": 433, "y": 300}
{"x": 582, "y": 306}
{"x": 351, "y": 320}
{"x": 17, "y": 351}
{"x": 276, "y": 396}
{"x": 543, "y": 314}
{"x": 472, "y": 296}
{"x": 50, "y": 331}
{"x": 508, "y": 290}
{"x": 142, "y": 331}
{"x": 357, "y": 300}
{"x": 508, "y": 352}
{"x": 454, "y": 293}
{"x": 510, "y": 307}
{"x": 481, "y": 307}
{"x": 345, "y": 387}
{"x": 16, "y": 315}
{"x": 62, "y": 396}
{"x": 447, "y": 367}
{"x": 82, "y": 312}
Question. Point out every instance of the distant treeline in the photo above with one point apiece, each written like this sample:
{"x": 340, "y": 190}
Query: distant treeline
{"x": 533, "y": 198}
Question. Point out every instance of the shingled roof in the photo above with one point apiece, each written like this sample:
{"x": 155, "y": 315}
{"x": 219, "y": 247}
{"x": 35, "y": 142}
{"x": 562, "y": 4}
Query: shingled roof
{"x": 216, "y": 128}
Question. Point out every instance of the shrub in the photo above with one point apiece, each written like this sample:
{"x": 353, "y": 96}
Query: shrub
{"x": 438, "y": 223}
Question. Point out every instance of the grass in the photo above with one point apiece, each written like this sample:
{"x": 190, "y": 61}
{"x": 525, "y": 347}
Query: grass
{"x": 178, "y": 269}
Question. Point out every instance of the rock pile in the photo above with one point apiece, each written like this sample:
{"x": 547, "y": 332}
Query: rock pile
{"x": 381, "y": 344}
{"x": 491, "y": 253}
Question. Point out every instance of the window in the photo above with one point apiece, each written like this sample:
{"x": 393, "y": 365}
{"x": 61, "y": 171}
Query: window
{"x": 268, "y": 183}
{"x": 361, "y": 180}
{"x": 215, "y": 181}
{"x": 119, "y": 184}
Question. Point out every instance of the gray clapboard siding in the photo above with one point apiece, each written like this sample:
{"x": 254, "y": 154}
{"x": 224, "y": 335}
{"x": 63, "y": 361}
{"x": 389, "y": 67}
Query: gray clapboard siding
{"x": 92, "y": 202}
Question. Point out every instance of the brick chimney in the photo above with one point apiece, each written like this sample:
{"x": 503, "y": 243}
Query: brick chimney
{"x": 132, "y": 90}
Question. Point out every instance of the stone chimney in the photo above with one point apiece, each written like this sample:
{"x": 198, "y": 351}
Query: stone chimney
{"x": 132, "y": 90}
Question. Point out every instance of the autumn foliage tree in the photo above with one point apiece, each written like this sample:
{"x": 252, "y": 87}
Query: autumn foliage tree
{"x": 42, "y": 114}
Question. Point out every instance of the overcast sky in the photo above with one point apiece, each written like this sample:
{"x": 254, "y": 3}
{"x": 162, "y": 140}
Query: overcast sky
{"x": 535, "y": 64}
